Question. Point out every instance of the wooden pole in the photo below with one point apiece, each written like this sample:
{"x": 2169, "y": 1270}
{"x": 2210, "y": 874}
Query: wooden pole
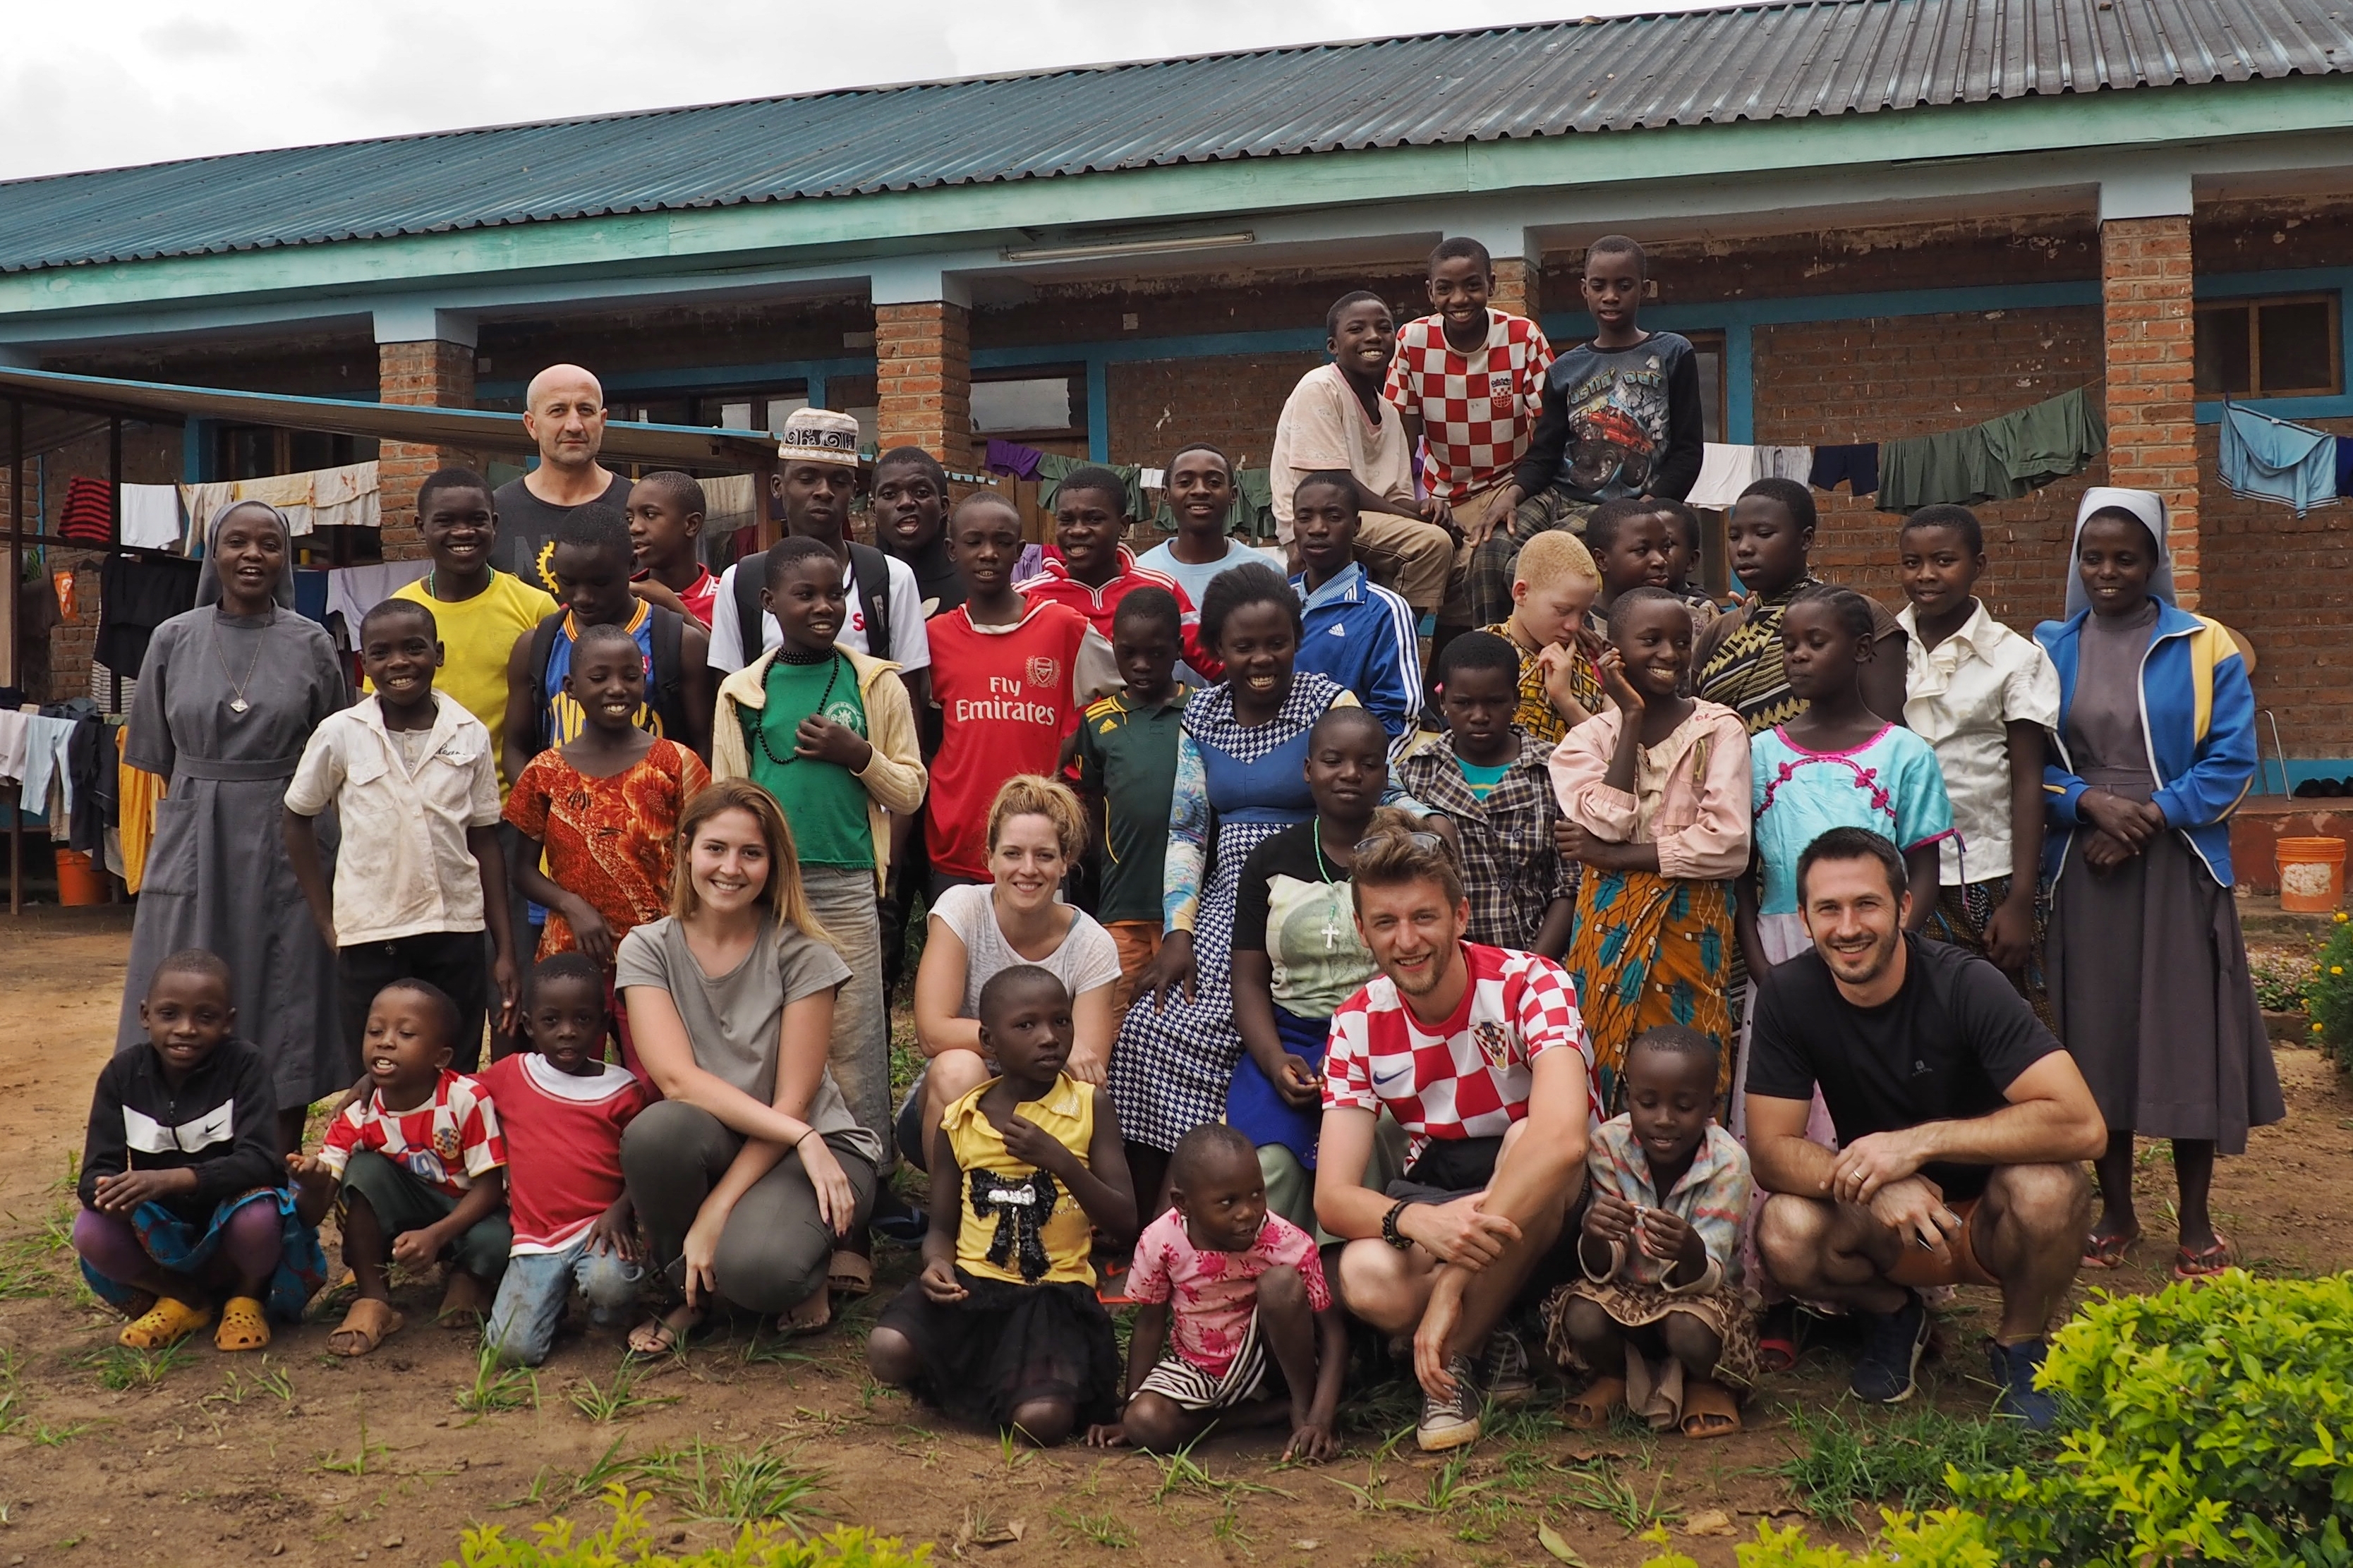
{"x": 16, "y": 637}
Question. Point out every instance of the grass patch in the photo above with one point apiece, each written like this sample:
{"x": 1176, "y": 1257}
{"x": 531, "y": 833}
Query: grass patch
{"x": 368, "y": 1459}
{"x": 120, "y": 1367}
{"x": 1598, "y": 1486}
{"x": 1104, "y": 1530}
{"x": 617, "y": 1397}
{"x": 712, "y": 1484}
{"x": 1897, "y": 1460}
{"x": 498, "y": 1387}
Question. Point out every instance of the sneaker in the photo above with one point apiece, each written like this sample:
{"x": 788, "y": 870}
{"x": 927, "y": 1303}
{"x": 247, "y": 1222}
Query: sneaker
{"x": 1890, "y": 1354}
{"x": 1452, "y": 1422}
{"x": 1504, "y": 1370}
{"x": 2014, "y": 1367}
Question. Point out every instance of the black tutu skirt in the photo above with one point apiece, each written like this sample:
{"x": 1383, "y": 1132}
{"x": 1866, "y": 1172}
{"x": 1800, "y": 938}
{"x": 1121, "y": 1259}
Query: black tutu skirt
{"x": 1006, "y": 1345}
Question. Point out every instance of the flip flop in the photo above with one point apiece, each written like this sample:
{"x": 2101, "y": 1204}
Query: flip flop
{"x": 663, "y": 1336}
{"x": 849, "y": 1274}
{"x": 1709, "y": 1410}
{"x": 814, "y": 1315}
{"x": 167, "y": 1323}
{"x": 1591, "y": 1410}
{"x": 368, "y": 1324}
{"x": 1777, "y": 1339}
{"x": 242, "y": 1326}
{"x": 2205, "y": 1262}
{"x": 2108, "y": 1252}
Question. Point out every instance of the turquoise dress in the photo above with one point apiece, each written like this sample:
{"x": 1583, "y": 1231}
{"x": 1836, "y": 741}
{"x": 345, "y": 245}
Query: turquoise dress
{"x": 1891, "y": 784}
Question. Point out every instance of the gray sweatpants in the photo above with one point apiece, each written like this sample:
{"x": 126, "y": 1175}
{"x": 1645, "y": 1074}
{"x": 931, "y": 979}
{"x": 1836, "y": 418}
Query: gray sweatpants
{"x": 844, "y": 903}
{"x": 773, "y": 1253}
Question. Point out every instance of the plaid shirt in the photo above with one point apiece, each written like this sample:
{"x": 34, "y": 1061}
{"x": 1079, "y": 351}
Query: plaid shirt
{"x": 1511, "y": 870}
{"x": 1712, "y": 1198}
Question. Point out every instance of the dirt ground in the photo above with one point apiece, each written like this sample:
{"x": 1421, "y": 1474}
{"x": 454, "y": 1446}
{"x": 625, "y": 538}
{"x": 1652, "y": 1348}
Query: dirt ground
{"x": 306, "y": 1458}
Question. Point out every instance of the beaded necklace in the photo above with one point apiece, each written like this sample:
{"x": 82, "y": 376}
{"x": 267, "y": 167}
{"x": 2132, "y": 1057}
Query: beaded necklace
{"x": 786, "y": 655}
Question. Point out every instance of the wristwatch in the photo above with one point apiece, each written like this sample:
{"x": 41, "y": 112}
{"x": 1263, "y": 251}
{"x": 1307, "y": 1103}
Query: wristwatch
{"x": 1390, "y": 1227}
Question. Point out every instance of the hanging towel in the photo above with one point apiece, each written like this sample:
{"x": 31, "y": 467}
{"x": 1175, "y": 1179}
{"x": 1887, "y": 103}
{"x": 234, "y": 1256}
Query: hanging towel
{"x": 201, "y": 502}
{"x": 1012, "y": 457}
{"x": 1785, "y": 463}
{"x": 15, "y": 733}
{"x": 353, "y": 591}
{"x": 1952, "y": 465}
{"x": 89, "y": 515}
{"x": 151, "y": 516}
{"x": 1723, "y": 473}
{"x": 1857, "y": 464}
{"x": 345, "y": 497}
{"x": 2270, "y": 459}
{"x": 138, "y": 790}
{"x": 2048, "y": 441}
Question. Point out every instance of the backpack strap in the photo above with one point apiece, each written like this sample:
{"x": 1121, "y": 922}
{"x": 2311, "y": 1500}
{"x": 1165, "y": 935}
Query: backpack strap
{"x": 670, "y": 639}
{"x": 750, "y": 635}
{"x": 543, "y": 649}
{"x": 873, "y": 570}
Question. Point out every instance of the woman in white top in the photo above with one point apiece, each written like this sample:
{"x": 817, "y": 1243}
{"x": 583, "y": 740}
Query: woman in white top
{"x": 1036, "y": 831}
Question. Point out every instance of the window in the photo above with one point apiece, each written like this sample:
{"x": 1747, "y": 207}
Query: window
{"x": 1707, "y": 348}
{"x": 1031, "y": 405}
{"x": 2285, "y": 347}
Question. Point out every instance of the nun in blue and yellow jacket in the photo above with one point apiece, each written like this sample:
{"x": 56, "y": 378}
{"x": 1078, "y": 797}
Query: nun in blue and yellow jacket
{"x": 2146, "y": 965}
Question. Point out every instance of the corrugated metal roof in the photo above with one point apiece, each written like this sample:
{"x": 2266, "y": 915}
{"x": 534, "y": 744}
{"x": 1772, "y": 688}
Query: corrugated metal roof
{"x": 1696, "y": 67}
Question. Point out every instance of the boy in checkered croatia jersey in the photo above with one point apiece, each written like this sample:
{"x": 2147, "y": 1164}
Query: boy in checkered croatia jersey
{"x": 1479, "y": 1053}
{"x": 420, "y": 1165}
{"x": 1470, "y": 381}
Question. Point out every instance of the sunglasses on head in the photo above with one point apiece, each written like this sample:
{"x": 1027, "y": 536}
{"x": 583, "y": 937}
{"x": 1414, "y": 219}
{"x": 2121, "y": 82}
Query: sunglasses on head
{"x": 1419, "y": 840}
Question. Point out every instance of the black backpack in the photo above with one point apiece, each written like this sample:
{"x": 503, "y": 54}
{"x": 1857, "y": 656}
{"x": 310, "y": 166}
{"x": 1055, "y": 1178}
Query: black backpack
{"x": 873, "y": 570}
{"x": 669, "y": 701}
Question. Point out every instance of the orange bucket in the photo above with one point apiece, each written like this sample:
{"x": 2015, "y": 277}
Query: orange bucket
{"x": 78, "y": 882}
{"x": 2312, "y": 874}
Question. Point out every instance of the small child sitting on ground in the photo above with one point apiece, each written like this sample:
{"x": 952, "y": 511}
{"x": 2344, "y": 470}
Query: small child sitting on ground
{"x": 1236, "y": 1284}
{"x": 421, "y": 1167}
{"x": 562, "y": 1108}
{"x": 1003, "y": 1325}
{"x": 1658, "y": 1318}
{"x": 185, "y": 1201}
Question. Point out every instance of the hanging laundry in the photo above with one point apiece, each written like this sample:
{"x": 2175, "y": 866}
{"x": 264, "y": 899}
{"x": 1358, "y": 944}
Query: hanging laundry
{"x": 1856, "y": 463}
{"x": 311, "y": 585}
{"x": 1011, "y": 457}
{"x": 15, "y": 734}
{"x": 2049, "y": 439}
{"x": 1952, "y": 465}
{"x": 1053, "y": 468}
{"x": 89, "y": 515}
{"x": 45, "y": 764}
{"x": 353, "y": 591}
{"x": 1785, "y": 463}
{"x": 1724, "y": 472}
{"x": 150, "y": 517}
{"x": 729, "y": 502}
{"x": 202, "y": 500}
{"x": 345, "y": 497}
{"x": 135, "y": 595}
{"x": 2344, "y": 468}
{"x": 2265, "y": 459}
{"x": 90, "y": 757}
{"x": 1251, "y": 514}
{"x": 1155, "y": 478}
{"x": 137, "y": 791}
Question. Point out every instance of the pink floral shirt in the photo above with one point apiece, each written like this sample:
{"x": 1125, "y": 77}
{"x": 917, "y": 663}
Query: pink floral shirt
{"x": 1214, "y": 1293}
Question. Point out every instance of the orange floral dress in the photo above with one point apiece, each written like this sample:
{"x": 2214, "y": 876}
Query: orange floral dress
{"x": 611, "y": 841}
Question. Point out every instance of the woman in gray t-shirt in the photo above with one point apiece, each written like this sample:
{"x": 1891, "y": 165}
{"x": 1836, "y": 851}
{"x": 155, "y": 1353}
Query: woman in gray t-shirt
{"x": 1037, "y": 830}
{"x": 751, "y": 1169}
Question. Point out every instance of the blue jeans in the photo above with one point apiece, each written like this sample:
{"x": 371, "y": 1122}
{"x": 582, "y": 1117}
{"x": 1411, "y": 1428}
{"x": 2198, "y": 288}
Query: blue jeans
{"x": 531, "y": 1298}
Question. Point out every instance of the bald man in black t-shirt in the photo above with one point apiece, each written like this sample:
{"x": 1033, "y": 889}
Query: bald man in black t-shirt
{"x": 1962, "y": 1125}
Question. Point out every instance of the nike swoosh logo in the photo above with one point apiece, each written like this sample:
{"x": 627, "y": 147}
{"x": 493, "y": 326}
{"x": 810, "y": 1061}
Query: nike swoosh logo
{"x": 1382, "y": 1085}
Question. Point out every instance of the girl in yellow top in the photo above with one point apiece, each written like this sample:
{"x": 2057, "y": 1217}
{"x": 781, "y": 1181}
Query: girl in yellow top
{"x": 1003, "y": 1325}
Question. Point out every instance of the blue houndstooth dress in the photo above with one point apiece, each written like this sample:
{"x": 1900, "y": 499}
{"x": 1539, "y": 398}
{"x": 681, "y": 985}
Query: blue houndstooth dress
{"x": 1237, "y": 785}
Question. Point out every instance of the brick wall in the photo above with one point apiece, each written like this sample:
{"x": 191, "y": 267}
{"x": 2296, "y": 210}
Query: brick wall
{"x": 2285, "y": 584}
{"x": 432, "y": 372}
{"x": 1157, "y": 406}
{"x": 1829, "y": 383}
{"x": 923, "y": 367}
{"x": 2144, "y": 288}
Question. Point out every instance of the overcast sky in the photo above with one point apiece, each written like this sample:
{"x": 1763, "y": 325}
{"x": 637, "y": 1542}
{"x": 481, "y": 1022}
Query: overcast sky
{"x": 89, "y": 84}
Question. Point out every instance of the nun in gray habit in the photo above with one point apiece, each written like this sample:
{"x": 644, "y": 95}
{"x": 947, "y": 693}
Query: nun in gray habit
{"x": 229, "y": 695}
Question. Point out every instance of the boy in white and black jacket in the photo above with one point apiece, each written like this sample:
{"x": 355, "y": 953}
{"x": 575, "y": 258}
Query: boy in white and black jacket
{"x": 185, "y": 1197}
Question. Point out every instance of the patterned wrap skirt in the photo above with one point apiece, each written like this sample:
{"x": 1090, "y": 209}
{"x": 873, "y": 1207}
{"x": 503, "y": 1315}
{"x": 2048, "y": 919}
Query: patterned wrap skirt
{"x": 1650, "y": 950}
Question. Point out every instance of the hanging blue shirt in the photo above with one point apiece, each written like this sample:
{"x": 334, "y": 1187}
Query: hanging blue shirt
{"x": 2270, "y": 459}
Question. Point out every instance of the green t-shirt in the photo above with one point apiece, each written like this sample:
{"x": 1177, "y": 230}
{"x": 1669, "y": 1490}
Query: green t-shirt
{"x": 824, "y": 802}
{"x": 1483, "y": 781}
{"x": 1129, "y": 755}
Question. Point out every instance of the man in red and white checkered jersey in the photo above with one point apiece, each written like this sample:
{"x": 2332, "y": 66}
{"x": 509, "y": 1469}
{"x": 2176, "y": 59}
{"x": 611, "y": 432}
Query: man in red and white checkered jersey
{"x": 1469, "y": 381}
{"x": 1480, "y": 1054}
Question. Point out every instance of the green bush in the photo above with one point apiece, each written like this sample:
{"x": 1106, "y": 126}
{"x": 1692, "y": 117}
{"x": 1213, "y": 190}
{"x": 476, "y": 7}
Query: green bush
{"x": 2215, "y": 1426}
{"x": 1944, "y": 1538}
{"x": 629, "y": 1541}
{"x": 2328, "y": 994}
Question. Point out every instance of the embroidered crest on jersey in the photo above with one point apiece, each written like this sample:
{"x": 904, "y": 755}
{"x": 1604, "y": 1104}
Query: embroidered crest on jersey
{"x": 1494, "y": 1043}
{"x": 1045, "y": 671}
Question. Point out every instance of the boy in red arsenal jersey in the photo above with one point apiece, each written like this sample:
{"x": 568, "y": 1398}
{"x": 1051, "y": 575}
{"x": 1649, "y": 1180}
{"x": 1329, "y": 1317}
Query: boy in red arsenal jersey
{"x": 666, "y": 525}
{"x": 1010, "y": 676}
{"x": 1095, "y": 571}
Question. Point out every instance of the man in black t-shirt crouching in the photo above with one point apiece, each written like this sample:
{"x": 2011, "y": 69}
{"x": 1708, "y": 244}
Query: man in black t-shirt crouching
{"x": 1961, "y": 1125}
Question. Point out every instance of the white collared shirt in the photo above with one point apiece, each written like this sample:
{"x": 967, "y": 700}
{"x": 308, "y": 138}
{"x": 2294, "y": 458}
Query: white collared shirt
{"x": 1958, "y": 697}
{"x": 403, "y": 868}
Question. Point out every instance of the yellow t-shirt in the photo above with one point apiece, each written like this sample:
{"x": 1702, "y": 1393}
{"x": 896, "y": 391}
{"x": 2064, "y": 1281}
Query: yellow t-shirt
{"x": 1019, "y": 1224}
{"x": 477, "y": 636}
